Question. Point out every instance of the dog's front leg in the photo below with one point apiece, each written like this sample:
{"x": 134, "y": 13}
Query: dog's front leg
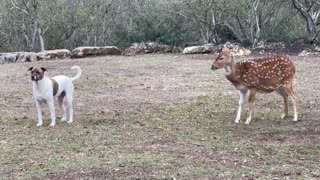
{"x": 52, "y": 113}
{"x": 39, "y": 109}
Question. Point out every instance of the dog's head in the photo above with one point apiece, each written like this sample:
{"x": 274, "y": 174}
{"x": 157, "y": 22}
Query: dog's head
{"x": 37, "y": 73}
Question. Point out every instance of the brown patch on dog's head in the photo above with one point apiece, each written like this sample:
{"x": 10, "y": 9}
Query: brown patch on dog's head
{"x": 37, "y": 73}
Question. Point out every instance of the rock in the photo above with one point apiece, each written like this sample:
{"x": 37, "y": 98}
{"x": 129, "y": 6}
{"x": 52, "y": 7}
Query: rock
{"x": 14, "y": 57}
{"x": 6, "y": 58}
{"x": 54, "y": 54}
{"x": 308, "y": 52}
{"x": 176, "y": 49}
{"x": 261, "y": 45}
{"x": 27, "y": 57}
{"x": 275, "y": 45}
{"x": 149, "y": 47}
{"x": 82, "y": 52}
{"x": 189, "y": 44}
{"x": 304, "y": 53}
{"x": 237, "y": 49}
{"x": 316, "y": 48}
{"x": 205, "y": 49}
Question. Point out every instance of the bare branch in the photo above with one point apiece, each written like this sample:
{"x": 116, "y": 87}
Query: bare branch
{"x": 20, "y": 9}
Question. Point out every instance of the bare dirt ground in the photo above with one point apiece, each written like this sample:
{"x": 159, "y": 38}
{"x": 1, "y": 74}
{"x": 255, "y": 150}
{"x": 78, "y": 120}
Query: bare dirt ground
{"x": 157, "y": 117}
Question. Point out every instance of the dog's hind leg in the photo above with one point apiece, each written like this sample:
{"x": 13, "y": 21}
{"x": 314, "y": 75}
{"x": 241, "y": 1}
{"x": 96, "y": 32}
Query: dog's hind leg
{"x": 63, "y": 107}
{"x": 39, "y": 109}
{"x": 52, "y": 112}
{"x": 70, "y": 106}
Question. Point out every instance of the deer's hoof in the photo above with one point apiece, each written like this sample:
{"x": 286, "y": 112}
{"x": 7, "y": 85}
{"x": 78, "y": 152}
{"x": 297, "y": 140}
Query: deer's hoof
{"x": 248, "y": 121}
{"x": 283, "y": 116}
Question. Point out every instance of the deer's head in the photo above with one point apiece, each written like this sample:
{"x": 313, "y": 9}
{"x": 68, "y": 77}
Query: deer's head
{"x": 224, "y": 58}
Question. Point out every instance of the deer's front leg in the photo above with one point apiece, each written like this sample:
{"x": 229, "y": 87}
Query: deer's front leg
{"x": 252, "y": 97}
{"x": 242, "y": 95}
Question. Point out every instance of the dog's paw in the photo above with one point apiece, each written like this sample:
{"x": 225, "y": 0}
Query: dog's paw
{"x": 52, "y": 124}
{"x": 39, "y": 124}
{"x": 64, "y": 119}
{"x": 70, "y": 121}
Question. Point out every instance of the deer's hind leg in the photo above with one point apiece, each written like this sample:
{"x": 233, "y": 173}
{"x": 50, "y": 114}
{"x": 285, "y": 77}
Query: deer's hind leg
{"x": 290, "y": 91}
{"x": 285, "y": 95}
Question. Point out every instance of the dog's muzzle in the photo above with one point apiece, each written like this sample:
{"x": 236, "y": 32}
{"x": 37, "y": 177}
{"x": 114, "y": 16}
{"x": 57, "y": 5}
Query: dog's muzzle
{"x": 34, "y": 78}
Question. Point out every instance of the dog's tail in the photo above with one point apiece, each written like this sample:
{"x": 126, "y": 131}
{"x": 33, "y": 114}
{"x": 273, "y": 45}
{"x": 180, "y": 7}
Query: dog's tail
{"x": 79, "y": 73}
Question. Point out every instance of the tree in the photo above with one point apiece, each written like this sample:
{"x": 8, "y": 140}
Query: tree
{"x": 30, "y": 8}
{"x": 310, "y": 11}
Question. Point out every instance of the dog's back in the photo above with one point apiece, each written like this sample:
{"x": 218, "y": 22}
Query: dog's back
{"x": 65, "y": 84}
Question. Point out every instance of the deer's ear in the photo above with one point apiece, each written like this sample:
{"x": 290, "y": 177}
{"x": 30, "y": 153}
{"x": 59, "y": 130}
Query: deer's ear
{"x": 30, "y": 68}
{"x": 43, "y": 69}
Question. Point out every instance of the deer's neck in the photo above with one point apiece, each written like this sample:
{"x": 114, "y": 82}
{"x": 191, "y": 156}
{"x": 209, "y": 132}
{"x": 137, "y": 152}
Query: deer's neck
{"x": 231, "y": 72}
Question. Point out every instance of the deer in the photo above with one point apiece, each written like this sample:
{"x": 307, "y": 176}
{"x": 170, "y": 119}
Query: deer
{"x": 263, "y": 75}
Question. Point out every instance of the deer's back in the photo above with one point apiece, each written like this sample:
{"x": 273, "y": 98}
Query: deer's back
{"x": 266, "y": 74}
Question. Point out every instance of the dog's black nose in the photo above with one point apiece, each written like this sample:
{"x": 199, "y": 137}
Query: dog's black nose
{"x": 33, "y": 78}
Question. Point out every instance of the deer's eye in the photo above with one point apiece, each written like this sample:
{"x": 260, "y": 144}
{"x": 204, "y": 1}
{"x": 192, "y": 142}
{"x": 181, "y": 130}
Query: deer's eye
{"x": 221, "y": 58}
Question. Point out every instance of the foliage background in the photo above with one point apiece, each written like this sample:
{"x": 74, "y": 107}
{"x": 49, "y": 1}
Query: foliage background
{"x": 72, "y": 23}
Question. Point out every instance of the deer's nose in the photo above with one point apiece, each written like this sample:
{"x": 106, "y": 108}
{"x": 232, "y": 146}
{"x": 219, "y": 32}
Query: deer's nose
{"x": 213, "y": 67}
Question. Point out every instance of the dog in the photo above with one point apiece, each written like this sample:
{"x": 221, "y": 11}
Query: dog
{"x": 45, "y": 89}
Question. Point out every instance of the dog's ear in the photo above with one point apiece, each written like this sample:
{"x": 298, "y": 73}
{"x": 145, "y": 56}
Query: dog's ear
{"x": 43, "y": 69}
{"x": 30, "y": 68}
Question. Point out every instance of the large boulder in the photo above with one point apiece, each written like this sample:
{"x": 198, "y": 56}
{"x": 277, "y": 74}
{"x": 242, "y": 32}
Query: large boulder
{"x": 204, "y": 49}
{"x": 54, "y": 54}
{"x": 6, "y": 58}
{"x": 82, "y": 52}
{"x": 237, "y": 49}
{"x": 14, "y": 57}
{"x": 150, "y": 47}
{"x": 27, "y": 57}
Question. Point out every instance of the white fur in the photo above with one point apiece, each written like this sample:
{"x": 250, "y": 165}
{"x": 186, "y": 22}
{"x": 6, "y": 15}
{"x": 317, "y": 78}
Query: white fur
{"x": 43, "y": 92}
{"x": 227, "y": 70}
{"x": 242, "y": 95}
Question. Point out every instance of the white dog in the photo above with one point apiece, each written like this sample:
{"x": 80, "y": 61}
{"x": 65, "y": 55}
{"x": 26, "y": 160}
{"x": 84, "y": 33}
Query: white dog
{"x": 45, "y": 89}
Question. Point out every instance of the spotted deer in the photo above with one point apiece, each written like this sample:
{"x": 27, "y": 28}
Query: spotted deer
{"x": 263, "y": 75}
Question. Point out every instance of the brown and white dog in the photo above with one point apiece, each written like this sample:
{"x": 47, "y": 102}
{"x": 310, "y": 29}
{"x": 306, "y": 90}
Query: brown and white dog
{"x": 45, "y": 89}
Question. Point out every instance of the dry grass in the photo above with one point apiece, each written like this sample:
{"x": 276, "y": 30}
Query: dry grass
{"x": 157, "y": 116}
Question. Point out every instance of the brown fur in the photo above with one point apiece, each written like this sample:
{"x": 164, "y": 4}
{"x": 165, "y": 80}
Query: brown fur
{"x": 55, "y": 86}
{"x": 266, "y": 74}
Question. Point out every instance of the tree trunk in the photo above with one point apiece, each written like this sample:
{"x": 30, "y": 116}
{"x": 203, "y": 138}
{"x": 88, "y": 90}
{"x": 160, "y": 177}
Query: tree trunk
{"x": 34, "y": 34}
{"x": 311, "y": 14}
{"x": 255, "y": 24}
{"x": 40, "y": 34}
